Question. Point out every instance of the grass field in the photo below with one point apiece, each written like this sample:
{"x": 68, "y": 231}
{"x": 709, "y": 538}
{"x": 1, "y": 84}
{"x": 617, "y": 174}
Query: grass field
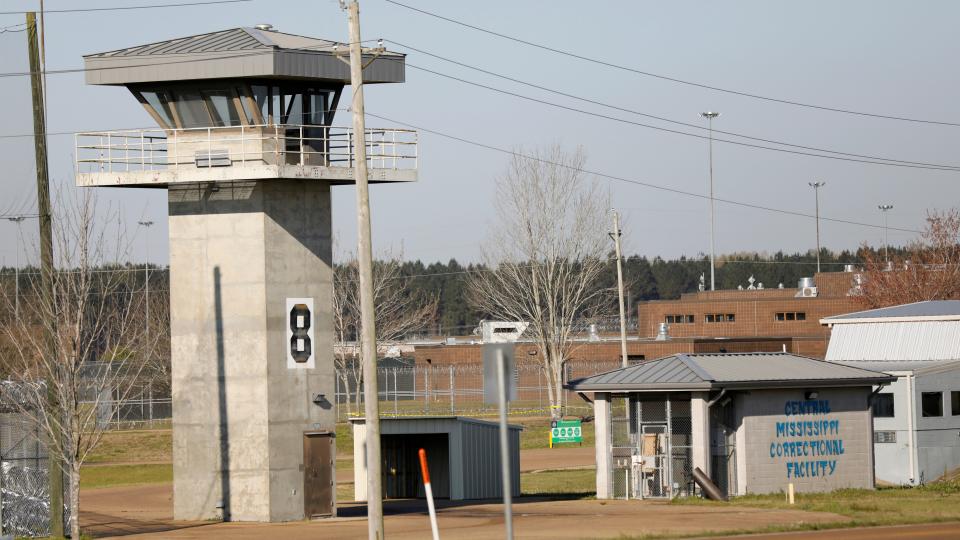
{"x": 125, "y": 475}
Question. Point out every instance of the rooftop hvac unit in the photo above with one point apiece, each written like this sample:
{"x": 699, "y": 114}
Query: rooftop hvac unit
{"x": 807, "y": 288}
{"x": 807, "y": 292}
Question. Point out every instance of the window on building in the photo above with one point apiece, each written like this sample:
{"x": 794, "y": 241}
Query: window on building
{"x": 955, "y": 403}
{"x": 679, "y": 319}
{"x": 884, "y": 436}
{"x": 635, "y": 358}
{"x": 883, "y": 406}
{"x": 709, "y": 318}
{"x": 931, "y": 404}
{"x": 801, "y": 316}
{"x": 730, "y": 317}
{"x": 718, "y": 317}
{"x": 790, "y": 316}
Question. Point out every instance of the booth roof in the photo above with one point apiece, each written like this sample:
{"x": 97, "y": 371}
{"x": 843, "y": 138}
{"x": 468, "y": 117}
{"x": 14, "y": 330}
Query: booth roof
{"x": 688, "y": 372}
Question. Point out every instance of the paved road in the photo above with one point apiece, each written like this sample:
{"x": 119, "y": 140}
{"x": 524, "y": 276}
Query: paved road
{"x": 932, "y": 531}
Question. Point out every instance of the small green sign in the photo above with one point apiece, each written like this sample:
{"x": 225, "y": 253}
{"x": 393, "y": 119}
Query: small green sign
{"x": 566, "y": 431}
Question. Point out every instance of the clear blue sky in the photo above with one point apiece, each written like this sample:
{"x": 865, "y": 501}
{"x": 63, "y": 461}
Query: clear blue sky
{"x": 895, "y": 58}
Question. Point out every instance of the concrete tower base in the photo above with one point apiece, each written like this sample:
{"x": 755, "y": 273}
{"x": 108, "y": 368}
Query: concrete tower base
{"x": 237, "y": 253}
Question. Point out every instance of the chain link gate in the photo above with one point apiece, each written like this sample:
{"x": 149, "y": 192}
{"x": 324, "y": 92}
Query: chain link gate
{"x": 651, "y": 453}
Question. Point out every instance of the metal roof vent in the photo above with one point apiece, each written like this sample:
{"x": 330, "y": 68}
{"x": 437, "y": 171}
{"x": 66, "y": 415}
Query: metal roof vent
{"x": 263, "y": 26}
{"x": 594, "y": 335}
{"x": 664, "y": 333}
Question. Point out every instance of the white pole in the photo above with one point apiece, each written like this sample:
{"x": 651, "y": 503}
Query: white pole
{"x": 507, "y": 485}
{"x": 429, "y": 492}
{"x": 623, "y": 321}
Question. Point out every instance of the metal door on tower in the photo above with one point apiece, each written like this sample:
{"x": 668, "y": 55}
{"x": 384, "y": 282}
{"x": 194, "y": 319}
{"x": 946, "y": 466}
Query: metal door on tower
{"x": 319, "y": 451}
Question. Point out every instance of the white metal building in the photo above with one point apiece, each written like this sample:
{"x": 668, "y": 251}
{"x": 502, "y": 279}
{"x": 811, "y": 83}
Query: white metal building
{"x": 917, "y": 418}
{"x": 463, "y": 455}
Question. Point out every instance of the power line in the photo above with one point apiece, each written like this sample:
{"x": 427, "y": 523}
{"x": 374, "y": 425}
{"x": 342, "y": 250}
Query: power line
{"x": 673, "y": 79}
{"x": 661, "y": 118}
{"x": 633, "y": 181}
{"x": 10, "y": 28}
{"x": 126, "y": 8}
{"x": 889, "y": 163}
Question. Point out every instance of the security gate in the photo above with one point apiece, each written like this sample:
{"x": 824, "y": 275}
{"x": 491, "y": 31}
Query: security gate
{"x": 650, "y": 446}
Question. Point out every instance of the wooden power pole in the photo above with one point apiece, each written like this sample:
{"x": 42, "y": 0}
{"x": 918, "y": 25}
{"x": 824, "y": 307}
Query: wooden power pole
{"x": 368, "y": 331}
{"x": 623, "y": 319}
{"x": 46, "y": 253}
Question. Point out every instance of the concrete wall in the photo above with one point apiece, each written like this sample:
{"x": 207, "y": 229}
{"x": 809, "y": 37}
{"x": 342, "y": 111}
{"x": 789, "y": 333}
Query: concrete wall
{"x": 844, "y": 459}
{"x": 238, "y": 413}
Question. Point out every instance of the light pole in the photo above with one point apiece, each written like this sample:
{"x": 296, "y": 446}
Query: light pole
{"x": 886, "y": 231}
{"x": 816, "y": 195}
{"x": 16, "y": 270}
{"x": 146, "y": 280}
{"x": 710, "y": 115}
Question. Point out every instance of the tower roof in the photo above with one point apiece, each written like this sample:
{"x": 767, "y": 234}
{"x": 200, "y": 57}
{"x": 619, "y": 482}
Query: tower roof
{"x": 238, "y": 53}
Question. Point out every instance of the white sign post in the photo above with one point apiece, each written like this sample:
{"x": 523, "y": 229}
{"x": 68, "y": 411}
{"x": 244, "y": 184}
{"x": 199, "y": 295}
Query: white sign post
{"x": 499, "y": 359}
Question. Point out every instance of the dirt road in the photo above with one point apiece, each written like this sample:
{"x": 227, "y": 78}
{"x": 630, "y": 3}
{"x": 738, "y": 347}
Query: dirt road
{"x": 145, "y": 511}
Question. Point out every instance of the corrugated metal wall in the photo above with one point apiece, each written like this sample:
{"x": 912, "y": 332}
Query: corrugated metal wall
{"x": 481, "y": 460}
{"x": 904, "y": 341}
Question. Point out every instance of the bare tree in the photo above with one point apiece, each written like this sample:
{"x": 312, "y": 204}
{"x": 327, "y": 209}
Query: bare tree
{"x": 399, "y": 314}
{"x": 929, "y": 270}
{"x": 545, "y": 256}
{"x": 72, "y": 384}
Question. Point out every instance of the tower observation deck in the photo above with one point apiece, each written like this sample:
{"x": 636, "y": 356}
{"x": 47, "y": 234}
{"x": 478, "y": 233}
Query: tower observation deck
{"x": 237, "y": 105}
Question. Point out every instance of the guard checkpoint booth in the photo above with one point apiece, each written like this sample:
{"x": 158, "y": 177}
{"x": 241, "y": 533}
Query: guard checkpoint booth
{"x": 247, "y": 150}
{"x": 753, "y": 422}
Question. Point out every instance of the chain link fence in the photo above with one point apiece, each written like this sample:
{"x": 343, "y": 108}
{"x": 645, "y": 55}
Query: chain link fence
{"x": 408, "y": 390}
{"x": 24, "y": 477}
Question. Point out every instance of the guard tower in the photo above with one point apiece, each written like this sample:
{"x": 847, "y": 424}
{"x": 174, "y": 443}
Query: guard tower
{"x": 247, "y": 150}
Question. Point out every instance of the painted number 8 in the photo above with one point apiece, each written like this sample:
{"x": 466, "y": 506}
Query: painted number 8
{"x": 300, "y": 346}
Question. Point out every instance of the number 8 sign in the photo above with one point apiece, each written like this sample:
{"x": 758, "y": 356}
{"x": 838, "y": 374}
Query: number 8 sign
{"x": 299, "y": 342}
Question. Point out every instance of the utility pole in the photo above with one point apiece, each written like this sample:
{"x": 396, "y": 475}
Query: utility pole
{"x": 46, "y": 253}
{"x": 623, "y": 319}
{"x": 886, "y": 231}
{"x": 146, "y": 281}
{"x": 368, "y": 332}
{"x": 816, "y": 194}
{"x": 710, "y": 115}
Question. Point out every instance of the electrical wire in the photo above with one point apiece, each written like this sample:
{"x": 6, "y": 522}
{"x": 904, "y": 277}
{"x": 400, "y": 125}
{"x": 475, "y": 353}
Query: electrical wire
{"x": 890, "y": 163}
{"x": 673, "y": 79}
{"x": 637, "y": 182}
{"x": 661, "y": 118}
{"x": 127, "y": 8}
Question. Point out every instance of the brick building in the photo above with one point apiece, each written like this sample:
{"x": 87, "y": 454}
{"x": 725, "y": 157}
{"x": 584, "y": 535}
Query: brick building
{"x": 734, "y": 321}
{"x": 785, "y": 313}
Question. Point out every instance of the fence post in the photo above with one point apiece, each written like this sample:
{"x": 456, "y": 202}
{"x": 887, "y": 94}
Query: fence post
{"x": 426, "y": 390}
{"x": 395, "y": 390}
{"x": 452, "y": 408}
